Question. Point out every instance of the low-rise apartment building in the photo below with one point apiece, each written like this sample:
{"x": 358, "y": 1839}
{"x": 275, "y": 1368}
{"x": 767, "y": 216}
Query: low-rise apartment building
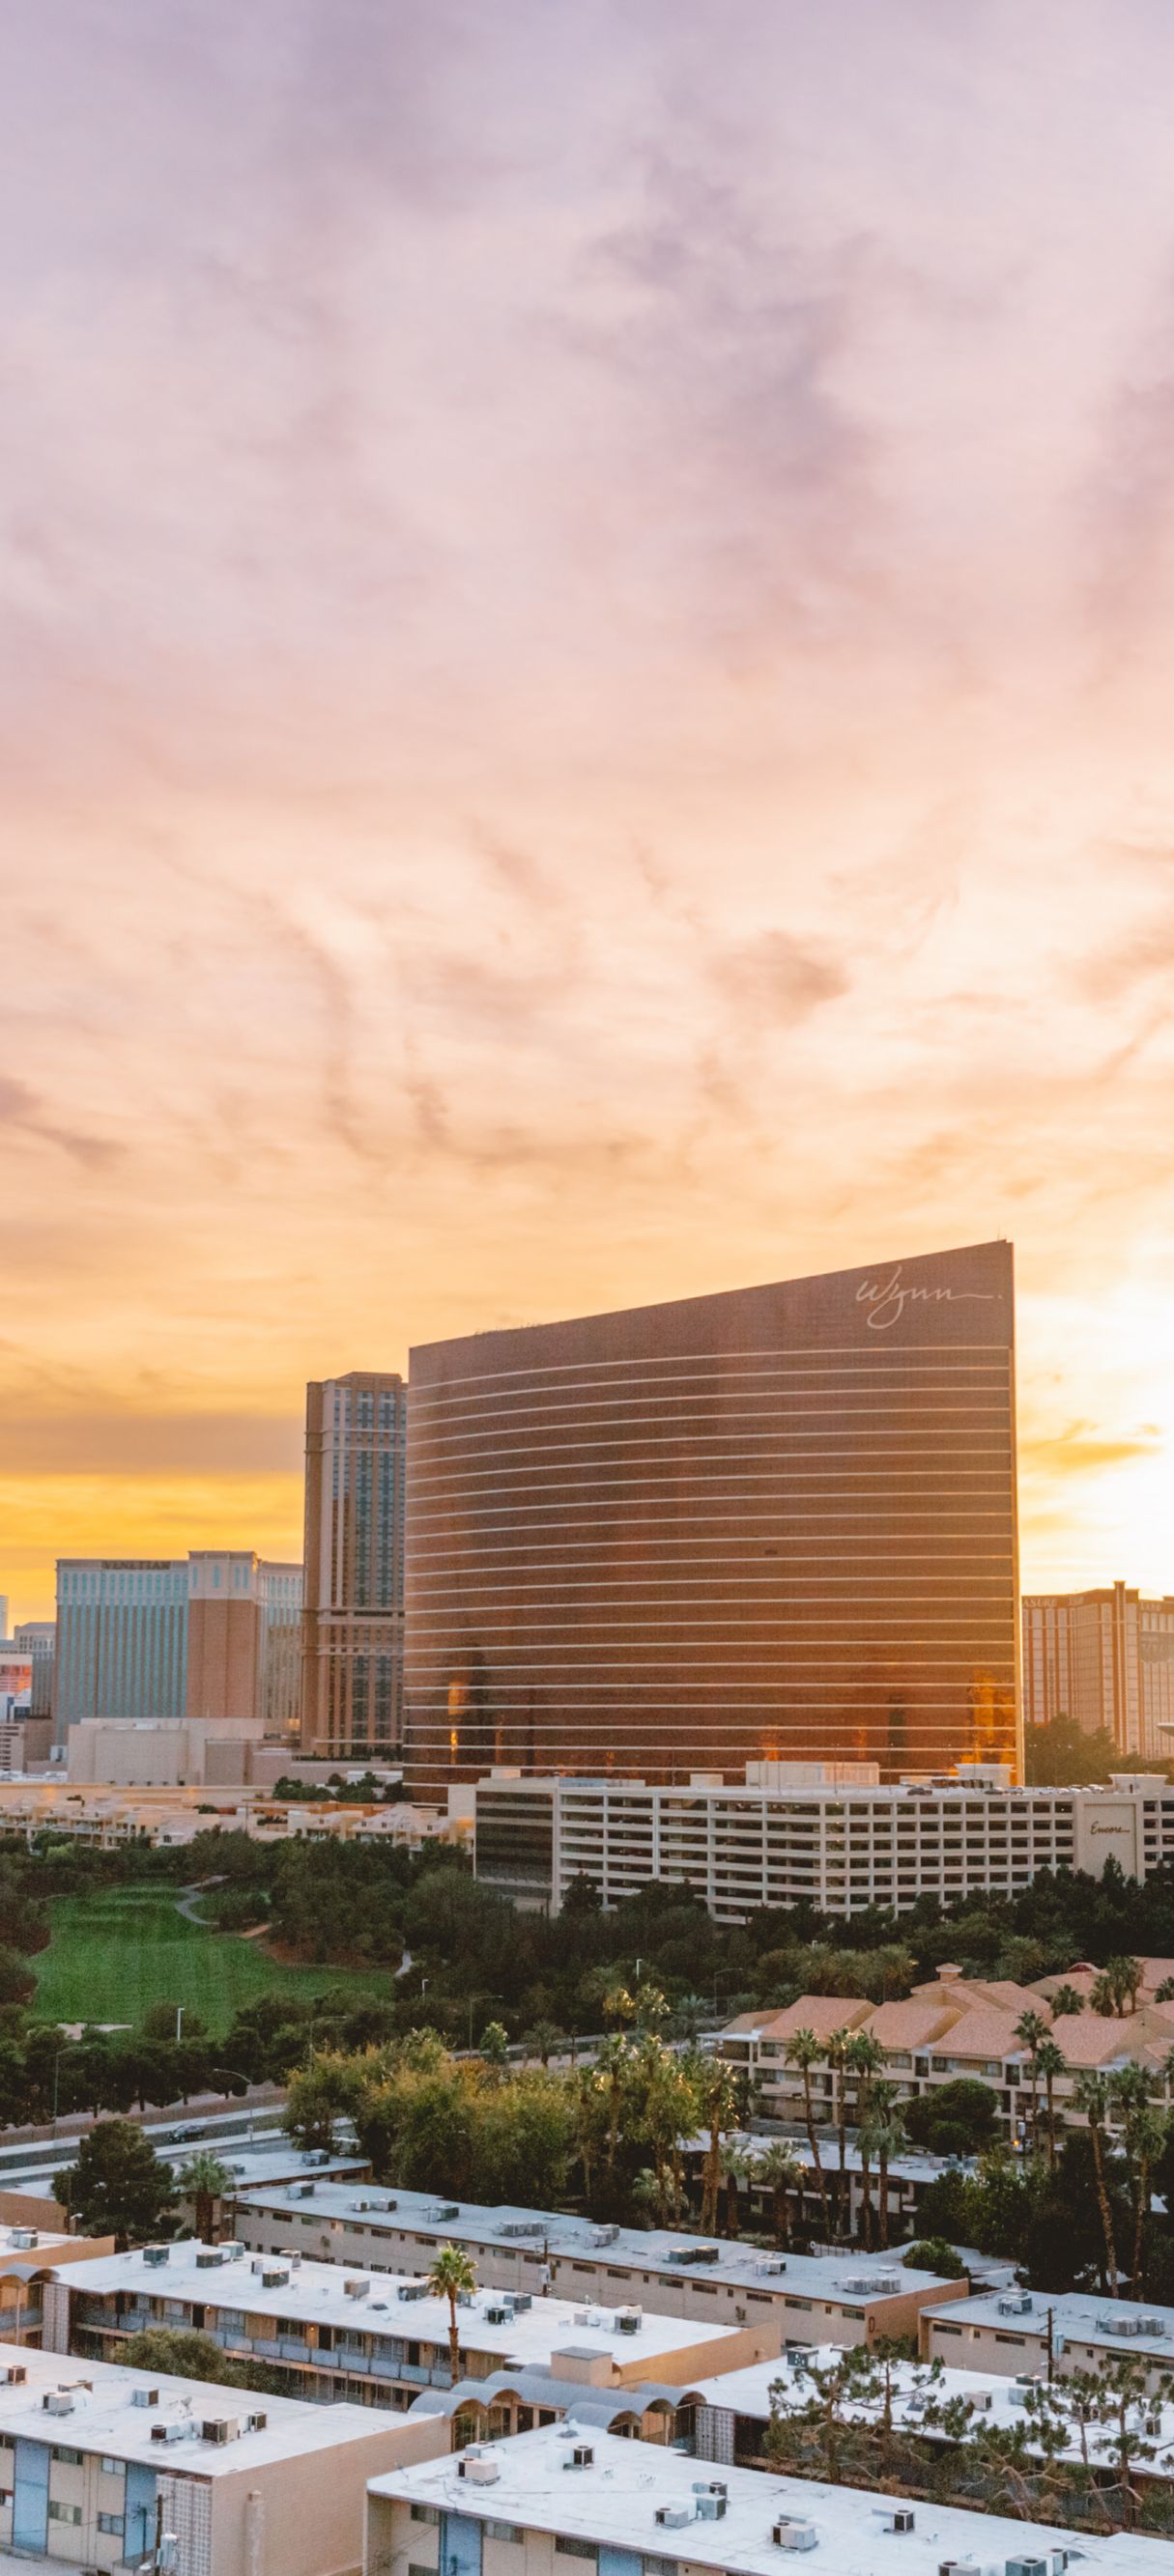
{"x": 527, "y": 2507}
{"x": 1018, "y": 2333}
{"x": 842, "y": 1848}
{"x": 956, "y": 2027}
{"x": 27, "y": 2256}
{"x": 376, "y": 2339}
{"x": 726, "y": 2421}
{"x": 105, "y": 2469}
{"x": 817, "y": 2298}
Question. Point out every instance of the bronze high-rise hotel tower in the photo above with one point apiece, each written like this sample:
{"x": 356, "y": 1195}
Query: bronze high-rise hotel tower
{"x": 778, "y": 1523}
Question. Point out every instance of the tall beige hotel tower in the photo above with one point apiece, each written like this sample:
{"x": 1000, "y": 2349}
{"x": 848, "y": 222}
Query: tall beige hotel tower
{"x": 352, "y": 1637}
{"x": 776, "y": 1524}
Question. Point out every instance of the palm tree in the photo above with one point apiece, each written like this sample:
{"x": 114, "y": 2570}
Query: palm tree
{"x": 882, "y": 2135}
{"x": 1066, "y": 2001}
{"x": 1130, "y": 2092}
{"x": 543, "y": 2039}
{"x": 719, "y": 2107}
{"x": 736, "y": 2169}
{"x": 803, "y": 2050}
{"x": 207, "y": 2180}
{"x": 453, "y": 2276}
{"x": 1031, "y": 2029}
{"x": 864, "y": 2059}
{"x": 837, "y": 2057}
{"x": 1051, "y": 2063}
{"x": 1164, "y": 1994}
{"x": 1115, "y": 1991}
{"x": 1091, "y": 2096}
{"x": 782, "y": 2171}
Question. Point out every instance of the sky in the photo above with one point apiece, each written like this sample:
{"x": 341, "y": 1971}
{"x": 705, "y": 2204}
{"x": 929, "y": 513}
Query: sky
{"x": 586, "y": 630}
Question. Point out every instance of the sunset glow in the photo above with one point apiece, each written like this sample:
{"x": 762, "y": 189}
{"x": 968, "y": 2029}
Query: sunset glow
{"x": 587, "y": 710}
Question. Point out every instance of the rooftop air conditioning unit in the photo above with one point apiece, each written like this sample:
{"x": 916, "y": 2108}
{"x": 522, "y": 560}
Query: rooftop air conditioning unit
{"x": 23, "y": 2239}
{"x": 673, "y": 2516}
{"x": 958, "y": 2567}
{"x": 220, "y": 2428}
{"x": 406, "y": 2290}
{"x": 181, "y": 2429}
{"x": 58, "y": 2401}
{"x": 522, "y": 2301}
{"x": 793, "y": 2532}
{"x": 256, "y": 2423}
{"x": 884, "y": 2285}
{"x": 440, "y": 2216}
{"x": 275, "y": 2277}
{"x": 231, "y": 2248}
{"x": 771, "y": 2266}
{"x": 481, "y": 2470}
{"x": 209, "y": 2259}
{"x": 1021, "y": 2388}
{"x": 305, "y": 2190}
{"x": 1015, "y": 2303}
{"x": 1028, "y": 2567}
{"x": 1151, "y": 2325}
{"x": 496, "y": 2316}
{"x": 896, "y": 2517}
{"x": 581, "y": 2456}
{"x": 629, "y": 2320}
{"x": 711, "y": 2508}
{"x": 983, "y": 2400}
{"x": 605, "y": 2236}
{"x": 358, "y": 2289}
{"x": 144, "y": 2397}
{"x": 12, "y": 2375}
{"x": 156, "y": 2254}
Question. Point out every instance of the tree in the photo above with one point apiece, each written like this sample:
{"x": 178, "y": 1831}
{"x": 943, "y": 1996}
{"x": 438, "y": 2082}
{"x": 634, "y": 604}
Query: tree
{"x": 1115, "y": 1991}
{"x": 118, "y": 2186}
{"x": 1067, "y": 2001}
{"x": 494, "y": 2046}
{"x": 1031, "y": 2030}
{"x": 1051, "y": 2063}
{"x": 956, "y": 2119}
{"x": 1091, "y": 2097}
{"x": 864, "y": 2063}
{"x": 205, "y": 2179}
{"x": 1061, "y": 1756}
{"x": 175, "y": 2354}
{"x": 719, "y": 2110}
{"x": 882, "y": 2137}
{"x": 319, "y": 2096}
{"x": 453, "y": 2276}
{"x": 932, "y": 2254}
{"x": 781, "y": 2171}
{"x": 543, "y": 2039}
{"x": 804, "y": 2051}
{"x": 1130, "y": 2096}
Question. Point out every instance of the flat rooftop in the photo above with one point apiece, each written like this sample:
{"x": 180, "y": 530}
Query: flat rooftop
{"x": 105, "y": 2418}
{"x": 615, "y": 2501}
{"x": 648, "y": 2252}
{"x": 318, "y": 2291}
{"x": 1122, "y": 2325}
{"x": 246, "y": 2166}
{"x": 747, "y": 2392}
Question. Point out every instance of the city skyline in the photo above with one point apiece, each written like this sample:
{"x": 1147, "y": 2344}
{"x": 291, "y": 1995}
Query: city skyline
{"x": 587, "y": 631}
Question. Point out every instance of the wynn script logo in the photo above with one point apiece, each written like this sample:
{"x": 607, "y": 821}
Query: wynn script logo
{"x": 888, "y": 1299}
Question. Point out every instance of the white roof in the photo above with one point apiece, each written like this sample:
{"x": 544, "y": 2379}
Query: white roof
{"x": 651, "y": 2251}
{"x": 318, "y": 2291}
{"x": 103, "y": 2417}
{"x": 1120, "y": 2325}
{"x": 748, "y": 2392}
{"x": 615, "y": 2501}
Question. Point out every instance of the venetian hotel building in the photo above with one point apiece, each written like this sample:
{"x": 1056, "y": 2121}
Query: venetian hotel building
{"x": 773, "y": 1524}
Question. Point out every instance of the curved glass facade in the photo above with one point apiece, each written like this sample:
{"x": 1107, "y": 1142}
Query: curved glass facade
{"x": 777, "y": 1523}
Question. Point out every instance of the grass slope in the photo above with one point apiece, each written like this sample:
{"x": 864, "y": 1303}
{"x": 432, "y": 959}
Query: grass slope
{"x": 113, "y": 1955}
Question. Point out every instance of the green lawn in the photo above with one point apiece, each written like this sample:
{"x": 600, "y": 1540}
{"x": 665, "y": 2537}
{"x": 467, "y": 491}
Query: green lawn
{"x": 114, "y": 1954}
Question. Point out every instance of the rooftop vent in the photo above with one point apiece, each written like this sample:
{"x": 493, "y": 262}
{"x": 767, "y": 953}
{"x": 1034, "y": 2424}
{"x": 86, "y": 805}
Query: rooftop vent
{"x": 480, "y": 2468}
{"x": 793, "y": 2532}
